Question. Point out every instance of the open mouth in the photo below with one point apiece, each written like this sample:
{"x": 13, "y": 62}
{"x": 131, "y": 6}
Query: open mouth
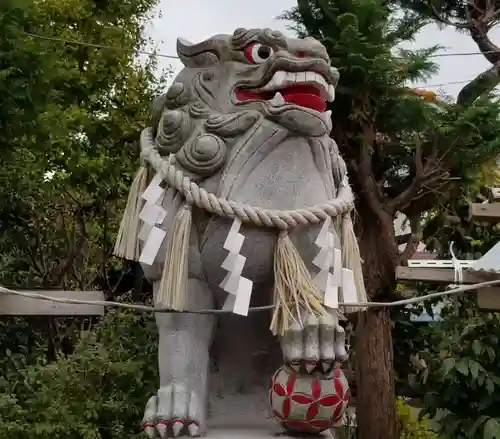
{"x": 305, "y": 89}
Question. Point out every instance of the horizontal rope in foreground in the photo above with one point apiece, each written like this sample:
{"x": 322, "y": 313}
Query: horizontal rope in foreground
{"x": 145, "y": 308}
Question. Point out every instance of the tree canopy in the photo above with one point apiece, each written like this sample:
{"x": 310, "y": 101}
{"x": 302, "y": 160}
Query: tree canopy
{"x": 403, "y": 156}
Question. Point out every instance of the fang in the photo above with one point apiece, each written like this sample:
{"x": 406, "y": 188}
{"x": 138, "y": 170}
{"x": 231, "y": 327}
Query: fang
{"x": 277, "y": 100}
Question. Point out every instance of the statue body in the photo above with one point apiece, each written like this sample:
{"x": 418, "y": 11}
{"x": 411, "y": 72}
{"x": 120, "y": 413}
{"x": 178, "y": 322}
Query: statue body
{"x": 246, "y": 119}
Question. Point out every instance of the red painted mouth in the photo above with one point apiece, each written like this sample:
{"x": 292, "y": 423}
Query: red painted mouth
{"x": 306, "y": 96}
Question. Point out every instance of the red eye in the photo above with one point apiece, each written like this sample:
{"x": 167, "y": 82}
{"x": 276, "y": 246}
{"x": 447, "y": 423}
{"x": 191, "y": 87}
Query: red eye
{"x": 258, "y": 53}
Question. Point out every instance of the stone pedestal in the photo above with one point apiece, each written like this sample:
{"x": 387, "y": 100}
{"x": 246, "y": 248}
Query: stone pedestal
{"x": 245, "y": 356}
{"x": 264, "y": 431}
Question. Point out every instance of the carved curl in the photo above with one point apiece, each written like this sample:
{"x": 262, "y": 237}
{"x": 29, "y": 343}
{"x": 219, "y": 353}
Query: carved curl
{"x": 204, "y": 155}
{"x": 231, "y": 125}
{"x": 173, "y": 130}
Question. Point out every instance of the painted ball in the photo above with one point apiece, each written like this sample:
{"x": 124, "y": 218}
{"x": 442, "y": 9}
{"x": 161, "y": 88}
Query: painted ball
{"x": 304, "y": 403}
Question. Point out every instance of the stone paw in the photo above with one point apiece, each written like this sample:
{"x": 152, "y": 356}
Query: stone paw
{"x": 315, "y": 345}
{"x": 174, "y": 412}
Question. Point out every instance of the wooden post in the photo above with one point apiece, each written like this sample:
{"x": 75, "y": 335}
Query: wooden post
{"x": 489, "y": 212}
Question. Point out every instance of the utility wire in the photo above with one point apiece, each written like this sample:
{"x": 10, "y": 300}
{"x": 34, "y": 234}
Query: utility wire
{"x": 145, "y": 308}
{"x": 161, "y": 55}
{"x": 103, "y": 46}
{"x": 96, "y": 46}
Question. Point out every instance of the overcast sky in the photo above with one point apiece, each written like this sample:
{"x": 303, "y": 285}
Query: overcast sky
{"x": 196, "y": 20}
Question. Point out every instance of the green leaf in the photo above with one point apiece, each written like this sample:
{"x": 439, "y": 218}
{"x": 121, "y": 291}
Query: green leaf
{"x": 491, "y": 429}
{"x": 477, "y": 347}
{"x": 463, "y": 367}
{"x": 491, "y": 353}
{"x": 474, "y": 368}
{"x": 448, "y": 365}
{"x": 480, "y": 421}
{"x": 490, "y": 386}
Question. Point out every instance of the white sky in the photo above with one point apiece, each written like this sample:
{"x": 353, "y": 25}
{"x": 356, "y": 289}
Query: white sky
{"x": 196, "y": 20}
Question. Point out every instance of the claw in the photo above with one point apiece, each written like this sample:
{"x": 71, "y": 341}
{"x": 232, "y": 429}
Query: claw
{"x": 339, "y": 345}
{"x": 177, "y": 428}
{"x": 311, "y": 339}
{"x": 162, "y": 429}
{"x": 295, "y": 367}
{"x": 149, "y": 430}
{"x": 310, "y": 366}
{"x": 193, "y": 430}
{"x": 326, "y": 366}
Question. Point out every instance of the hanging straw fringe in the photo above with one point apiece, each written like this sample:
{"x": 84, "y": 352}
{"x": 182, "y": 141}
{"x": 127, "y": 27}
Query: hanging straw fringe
{"x": 173, "y": 286}
{"x": 351, "y": 259}
{"x": 293, "y": 286}
{"x": 127, "y": 242}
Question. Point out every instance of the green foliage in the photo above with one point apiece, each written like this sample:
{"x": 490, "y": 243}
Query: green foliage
{"x": 97, "y": 392}
{"x": 417, "y": 153}
{"x": 69, "y": 124}
{"x": 462, "y": 372}
{"x": 70, "y": 121}
{"x": 413, "y": 427}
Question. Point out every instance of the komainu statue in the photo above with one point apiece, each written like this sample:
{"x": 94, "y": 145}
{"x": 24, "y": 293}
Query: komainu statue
{"x": 242, "y": 204}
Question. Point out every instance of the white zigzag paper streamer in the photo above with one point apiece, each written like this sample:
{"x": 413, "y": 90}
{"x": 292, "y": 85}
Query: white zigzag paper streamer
{"x": 324, "y": 260}
{"x": 238, "y": 287}
{"x": 151, "y": 215}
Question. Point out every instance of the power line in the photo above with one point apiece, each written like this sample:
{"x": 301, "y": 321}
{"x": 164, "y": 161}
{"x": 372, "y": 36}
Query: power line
{"x": 446, "y": 83}
{"x": 103, "y": 46}
{"x": 161, "y": 55}
{"x": 97, "y": 46}
{"x": 145, "y": 308}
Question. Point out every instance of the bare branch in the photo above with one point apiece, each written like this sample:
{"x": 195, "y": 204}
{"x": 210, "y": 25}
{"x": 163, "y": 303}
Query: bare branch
{"x": 489, "y": 49}
{"x": 439, "y": 17}
{"x": 369, "y": 187}
{"x": 413, "y": 240}
{"x": 403, "y": 239}
{"x": 409, "y": 193}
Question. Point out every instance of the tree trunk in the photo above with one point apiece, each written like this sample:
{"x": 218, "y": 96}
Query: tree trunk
{"x": 375, "y": 402}
{"x": 376, "y": 399}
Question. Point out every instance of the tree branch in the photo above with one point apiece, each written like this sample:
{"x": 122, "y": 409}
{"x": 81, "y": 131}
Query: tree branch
{"x": 366, "y": 177}
{"x": 489, "y": 49}
{"x": 439, "y": 17}
{"x": 403, "y": 239}
{"x": 413, "y": 240}
{"x": 480, "y": 85}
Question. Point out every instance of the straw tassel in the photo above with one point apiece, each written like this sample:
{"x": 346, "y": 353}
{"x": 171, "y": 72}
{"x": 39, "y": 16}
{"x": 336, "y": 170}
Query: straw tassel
{"x": 351, "y": 259}
{"x": 173, "y": 286}
{"x": 294, "y": 289}
{"x": 127, "y": 242}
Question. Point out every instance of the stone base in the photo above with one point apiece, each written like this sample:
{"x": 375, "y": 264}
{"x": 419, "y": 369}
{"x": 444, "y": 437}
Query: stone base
{"x": 266, "y": 430}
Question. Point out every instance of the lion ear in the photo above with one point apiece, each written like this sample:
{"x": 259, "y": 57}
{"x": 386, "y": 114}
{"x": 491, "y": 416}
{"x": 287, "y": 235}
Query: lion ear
{"x": 204, "y": 54}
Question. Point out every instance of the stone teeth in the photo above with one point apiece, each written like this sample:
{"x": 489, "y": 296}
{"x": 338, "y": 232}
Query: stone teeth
{"x": 331, "y": 93}
{"x": 277, "y": 100}
{"x": 276, "y": 82}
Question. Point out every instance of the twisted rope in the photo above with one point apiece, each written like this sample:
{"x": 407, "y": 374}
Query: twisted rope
{"x": 145, "y": 308}
{"x": 281, "y": 219}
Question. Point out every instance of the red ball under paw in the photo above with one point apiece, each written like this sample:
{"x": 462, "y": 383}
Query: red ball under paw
{"x": 307, "y": 403}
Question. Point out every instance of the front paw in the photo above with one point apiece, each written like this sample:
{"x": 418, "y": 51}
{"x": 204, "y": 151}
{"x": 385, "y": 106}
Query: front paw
{"x": 314, "y": 345}
{"x": 175, "y": 411}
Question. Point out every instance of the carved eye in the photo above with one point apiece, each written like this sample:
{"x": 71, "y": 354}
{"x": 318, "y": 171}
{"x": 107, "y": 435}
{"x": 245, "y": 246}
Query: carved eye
{"x": 258, "y": 53}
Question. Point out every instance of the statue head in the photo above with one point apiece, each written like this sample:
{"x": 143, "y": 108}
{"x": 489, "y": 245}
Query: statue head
{"x": 258, "y": 73}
